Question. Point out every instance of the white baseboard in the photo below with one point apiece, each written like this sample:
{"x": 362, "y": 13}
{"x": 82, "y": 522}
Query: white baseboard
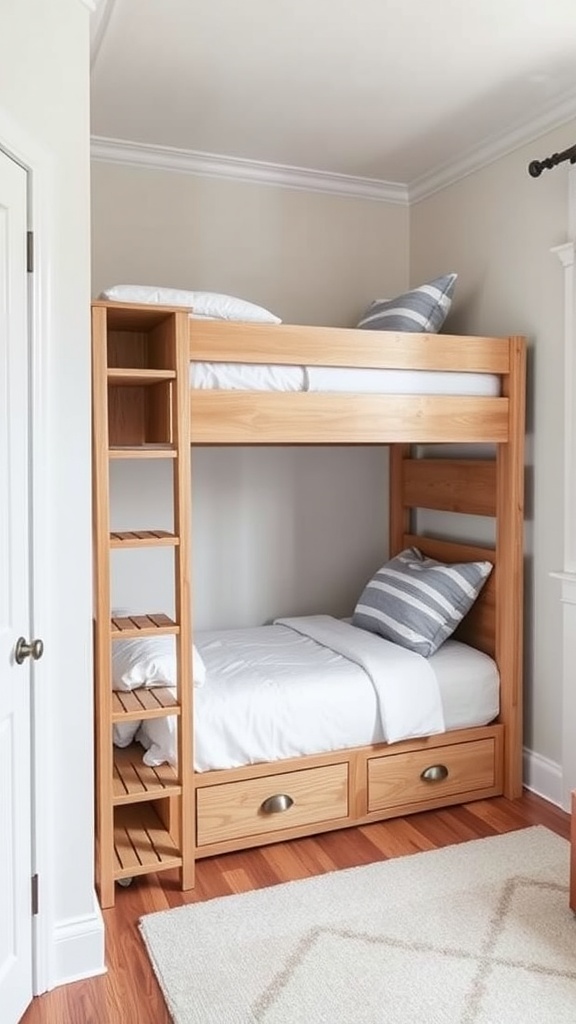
{"x": 79, "y": 948}
{"x": 543, "y": 777}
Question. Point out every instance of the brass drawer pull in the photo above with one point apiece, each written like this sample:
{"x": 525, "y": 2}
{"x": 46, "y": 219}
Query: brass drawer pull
{"x": 277, "y": 803}
{"x": 435, "y": 773}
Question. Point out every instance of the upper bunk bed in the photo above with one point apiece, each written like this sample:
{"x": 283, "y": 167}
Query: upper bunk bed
{"x": 439, "y": 413}
{"x": 228, "y": 416}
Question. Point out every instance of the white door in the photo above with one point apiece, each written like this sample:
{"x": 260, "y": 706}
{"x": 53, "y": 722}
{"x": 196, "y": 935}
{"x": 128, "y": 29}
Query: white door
{"x": 15, "y": 772}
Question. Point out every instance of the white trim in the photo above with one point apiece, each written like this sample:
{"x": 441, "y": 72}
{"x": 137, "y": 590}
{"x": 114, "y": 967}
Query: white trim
{"x": 567, "y": 255}
{"x": 98, "y": 27}
{"x": 78, "y": 946}
{"x": 543, "y": 777}
{"x": 41, "y": 207}
{"x": 568, "y": 580}
{"x": 568, "y": 599}
{"x": 41, "y": 176}
{"x": 212, "y": 165}
{"x": 493, "y": 149}
{"x": 39, "y": 168}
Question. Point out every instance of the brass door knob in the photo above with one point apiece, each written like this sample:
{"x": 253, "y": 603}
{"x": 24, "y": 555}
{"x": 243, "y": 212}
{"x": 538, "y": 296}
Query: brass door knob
{"x": 23, "y": 650}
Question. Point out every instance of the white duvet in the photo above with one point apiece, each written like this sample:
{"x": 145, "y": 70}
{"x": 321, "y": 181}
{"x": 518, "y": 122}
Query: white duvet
{"x": 313, "y": 684}
{"x": 405, "y": 685}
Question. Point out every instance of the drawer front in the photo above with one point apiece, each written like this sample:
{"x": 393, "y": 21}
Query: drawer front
{"x": 398, "y": 779}
{"x": 237, "y": 809}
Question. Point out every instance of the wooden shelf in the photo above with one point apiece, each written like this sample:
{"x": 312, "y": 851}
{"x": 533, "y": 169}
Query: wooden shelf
{"x": 127, "y": 627}
{"x": 138, "y": 376}
{"x": 141, "y": 411}
{"x": 134, "y": 317}
{"x": 142, "y": 451}
{"x": 133, "y": 781}
{"x": 153, "y": 702}
{"x": 143, "y": 538}
{"x": 141, "y": 843}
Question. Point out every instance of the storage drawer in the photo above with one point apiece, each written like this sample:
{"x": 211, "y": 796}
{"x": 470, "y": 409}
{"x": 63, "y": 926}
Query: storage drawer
{"x": 247, "y": 808}
{"x": 459, "y": 768}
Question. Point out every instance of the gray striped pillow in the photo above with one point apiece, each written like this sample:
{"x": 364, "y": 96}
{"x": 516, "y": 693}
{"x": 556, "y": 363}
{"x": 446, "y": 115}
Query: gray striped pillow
{"x": 422, "y": 309}
{"x": 417, "y": 602}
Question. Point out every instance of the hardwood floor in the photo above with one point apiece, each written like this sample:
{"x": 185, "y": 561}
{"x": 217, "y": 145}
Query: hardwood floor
{"x": 129, "y": 994}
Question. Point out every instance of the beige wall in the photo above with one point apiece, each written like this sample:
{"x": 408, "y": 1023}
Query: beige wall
{"x": 276, "y": 531}
{"x": 312, "y": 258}
{"x": 496, "y": 228}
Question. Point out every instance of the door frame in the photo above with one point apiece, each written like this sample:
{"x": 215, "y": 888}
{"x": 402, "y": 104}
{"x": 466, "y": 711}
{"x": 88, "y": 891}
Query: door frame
{"x": 566, "y": 253}
{"x": 38, "y": 165}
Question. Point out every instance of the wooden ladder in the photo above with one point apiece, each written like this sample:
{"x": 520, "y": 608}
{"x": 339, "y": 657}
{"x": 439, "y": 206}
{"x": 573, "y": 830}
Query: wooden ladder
{"x": 144, "y": 816}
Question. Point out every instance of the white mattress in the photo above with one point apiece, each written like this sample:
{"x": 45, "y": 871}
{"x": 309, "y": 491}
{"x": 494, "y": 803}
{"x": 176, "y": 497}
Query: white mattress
{"x": 258, "y": 377}
{"x": 271, "y": 693}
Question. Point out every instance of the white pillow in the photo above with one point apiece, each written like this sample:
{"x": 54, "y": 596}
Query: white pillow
{"x": 124, "y": 732}
{"x": 158, "y": 736}
{"x": 209, "y": 305}
{"x": 150, "y": 661}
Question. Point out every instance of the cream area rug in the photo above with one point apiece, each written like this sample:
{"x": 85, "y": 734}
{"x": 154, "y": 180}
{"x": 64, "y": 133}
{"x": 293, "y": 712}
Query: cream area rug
{"x": 478, "y": 933}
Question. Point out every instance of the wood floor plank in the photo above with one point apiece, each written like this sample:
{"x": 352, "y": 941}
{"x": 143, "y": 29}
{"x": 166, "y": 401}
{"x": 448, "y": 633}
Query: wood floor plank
{"x": 129, "y": 993}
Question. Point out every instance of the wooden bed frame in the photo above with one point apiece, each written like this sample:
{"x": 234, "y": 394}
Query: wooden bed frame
{"x": 219, "y": 811}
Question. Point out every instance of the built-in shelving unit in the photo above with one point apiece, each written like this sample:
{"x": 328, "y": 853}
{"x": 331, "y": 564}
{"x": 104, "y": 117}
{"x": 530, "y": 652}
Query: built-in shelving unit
{"x": 144, "y": 815}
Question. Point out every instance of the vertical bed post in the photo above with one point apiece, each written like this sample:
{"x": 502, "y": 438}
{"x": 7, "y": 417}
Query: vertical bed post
{"x": 509, "y": 558}
{"x": 182, "y": 486}
{"x": 399, "y": 513}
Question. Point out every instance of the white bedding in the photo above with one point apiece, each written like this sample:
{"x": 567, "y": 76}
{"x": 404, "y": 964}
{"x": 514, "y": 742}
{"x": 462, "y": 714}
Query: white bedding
{"x": 272, "y": 692}
{"x": 259, "y": 377}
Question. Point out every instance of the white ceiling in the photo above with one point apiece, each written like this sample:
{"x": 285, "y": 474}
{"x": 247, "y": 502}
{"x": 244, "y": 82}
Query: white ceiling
{"x": 392, "y": 90}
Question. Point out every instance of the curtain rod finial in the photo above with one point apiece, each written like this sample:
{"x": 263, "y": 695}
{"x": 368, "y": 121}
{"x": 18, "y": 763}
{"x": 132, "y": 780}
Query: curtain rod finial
{"x": 535, "y": 167}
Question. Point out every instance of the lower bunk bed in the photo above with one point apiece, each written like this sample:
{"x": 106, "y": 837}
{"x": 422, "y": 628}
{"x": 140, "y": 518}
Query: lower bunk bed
{"x": 314, "y": 724}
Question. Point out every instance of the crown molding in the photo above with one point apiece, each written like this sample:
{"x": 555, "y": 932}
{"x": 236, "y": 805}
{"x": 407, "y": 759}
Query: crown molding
{"x": 211, "y": 165}
{"x": 493, "y": 149}
{"x": 99, "y": 22}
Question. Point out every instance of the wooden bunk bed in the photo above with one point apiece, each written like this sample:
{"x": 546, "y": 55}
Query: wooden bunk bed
{"x": 144, "y": 408}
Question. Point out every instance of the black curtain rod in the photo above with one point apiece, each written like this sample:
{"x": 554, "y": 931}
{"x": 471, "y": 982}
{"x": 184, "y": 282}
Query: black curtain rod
{"x": 535, "y": 167}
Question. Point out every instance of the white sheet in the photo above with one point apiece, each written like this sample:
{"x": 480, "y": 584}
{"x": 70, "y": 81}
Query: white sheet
{"x": 247, "y": 377}
{"x": 258, "y": 377}
{"x": 273, "y": 693}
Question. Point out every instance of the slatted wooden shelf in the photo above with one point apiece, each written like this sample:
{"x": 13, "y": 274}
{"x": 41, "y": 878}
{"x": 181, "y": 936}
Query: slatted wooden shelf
{"x": 142, "y": 451}
{"x": 138, "y": 376}
{"x": 141, "y": 410}
{"x": 141, "y": 843}
{"x": 133, "y": 705}
{"x": 134, "y": 781}
{"x": 129, "y": 626}
{"x": 143, "y": 538}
